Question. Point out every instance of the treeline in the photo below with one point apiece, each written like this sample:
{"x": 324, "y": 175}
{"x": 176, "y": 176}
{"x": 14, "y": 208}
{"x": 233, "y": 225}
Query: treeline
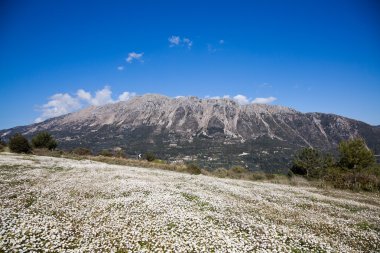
{"x": 19, "y": 144}
{"x": 355, "y": 168}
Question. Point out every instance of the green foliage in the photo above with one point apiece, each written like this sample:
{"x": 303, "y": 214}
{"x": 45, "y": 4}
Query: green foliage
{"x": 367, "y": 179}
{"x": 238, "y": 170}
{"x": 19, "y": 144}
{"x": 354, "y": 154}
{"x": 193, "y": 169}
{"x": 356, "y": 169}
{"x": 2, "y": 145}
{"x": 44, "y": 140}
{"x": 308, "y": 162}
{"x": 150, "y": 157}
{"x": 82, "y": 151}
{"x": 105, "y": 152}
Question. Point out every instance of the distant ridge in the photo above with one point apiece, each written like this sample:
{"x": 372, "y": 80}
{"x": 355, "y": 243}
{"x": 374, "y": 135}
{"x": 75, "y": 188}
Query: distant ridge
{"x": 213, "y": 132}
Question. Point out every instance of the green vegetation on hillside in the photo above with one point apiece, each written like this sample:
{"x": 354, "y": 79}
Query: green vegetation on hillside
{"x": 44, "y": 140}
{"x": 19, "y": 144}
{"x": 355, "y": 169}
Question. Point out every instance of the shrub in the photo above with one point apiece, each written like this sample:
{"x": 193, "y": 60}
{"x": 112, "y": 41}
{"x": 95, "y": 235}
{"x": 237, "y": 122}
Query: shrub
{"x": 19, "y": 144}
{"x": 150, "y": 157}
{"x": 193, "y": 169}
{"x": 105, "y": 152}
{"x": 308, "y": 162}
{"x": 238, "y": 170}
{"x": 44, "y": 140}
{"x": 120, "y": 153}
{"x": 2, "y": 145}
{"x": 82, "y": 151}
{"x": 354, "y": 154}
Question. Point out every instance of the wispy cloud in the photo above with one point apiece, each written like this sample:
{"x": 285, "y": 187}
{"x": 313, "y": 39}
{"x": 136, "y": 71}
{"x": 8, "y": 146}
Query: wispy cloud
{"x": 241, "y": 99}
{"x": 126, "y": 96}
{"x": 244, "y": 100}
{"x": 133, "y": 56}
{"x": 178, "y": 41}
{"x": 264, "y": 85}
{"x": 59, "y": 104}
{"x": 212, "y": 49}
{"x": 267, "y": 100}
{"x": 120, "y": 68}
{"x": 174, "y": 41}
{"x": 63, "y": 103}
{"x": 187, "y": 42}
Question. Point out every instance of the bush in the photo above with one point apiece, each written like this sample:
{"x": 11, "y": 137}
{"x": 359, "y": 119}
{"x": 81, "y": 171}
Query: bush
{"x": 19, "y": 144}
{"x": 2, "y": 145}
{"x": 238, "y": 170}
{"x": 82, "y": 151}
{"x": 308, "y": 162}
{"x": 193, "y": 169}
{"x": 44, "y": 140}
{"x": 365, "y": 179}
{"x": 105, "y": 152}
{"x": 150, "y": 157}
{"x": 120, "y": 154}
{"x": 354, "y": 154}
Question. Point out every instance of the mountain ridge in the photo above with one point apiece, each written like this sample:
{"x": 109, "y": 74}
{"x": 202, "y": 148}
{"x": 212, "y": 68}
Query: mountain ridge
{"x": 213, "y": 132}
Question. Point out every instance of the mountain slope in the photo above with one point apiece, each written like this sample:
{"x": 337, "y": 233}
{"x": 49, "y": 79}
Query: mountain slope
{"x": 215, "y": 132}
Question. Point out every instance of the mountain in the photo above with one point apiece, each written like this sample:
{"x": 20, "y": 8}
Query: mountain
{"x": 213, "y": 132}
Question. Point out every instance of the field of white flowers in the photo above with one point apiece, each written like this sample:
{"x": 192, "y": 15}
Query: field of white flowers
{"x": 61, "y": 205}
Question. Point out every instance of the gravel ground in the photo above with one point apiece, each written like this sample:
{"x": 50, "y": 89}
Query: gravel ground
{"x": 60, "y": 205}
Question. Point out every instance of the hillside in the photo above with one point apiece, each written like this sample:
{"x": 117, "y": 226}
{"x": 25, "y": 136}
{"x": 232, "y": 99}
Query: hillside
{"x": 213, "y": 132}
{"x": 64, "y": 205}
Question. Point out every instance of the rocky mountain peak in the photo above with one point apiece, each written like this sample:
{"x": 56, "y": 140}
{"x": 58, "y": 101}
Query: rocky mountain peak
{"x": 215, "y": 132}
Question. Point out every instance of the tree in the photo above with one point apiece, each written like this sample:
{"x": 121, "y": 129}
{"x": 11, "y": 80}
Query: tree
{"x": 308, "y": 162}
{"x": 150, "y": 157}
{"x": 2, "y": 145}
{"x": 44, "y": 140}
{"x": 19, "y": 144}
{"x": 354, "y": 154}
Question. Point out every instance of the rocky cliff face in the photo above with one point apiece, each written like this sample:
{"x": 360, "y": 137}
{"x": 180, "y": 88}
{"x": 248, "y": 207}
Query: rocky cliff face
{"x": 215, "y": 132}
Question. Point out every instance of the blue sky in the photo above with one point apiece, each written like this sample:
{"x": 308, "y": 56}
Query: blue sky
{"x": 60, "y": 56}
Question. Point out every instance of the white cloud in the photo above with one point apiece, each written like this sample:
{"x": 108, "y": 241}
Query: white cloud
{"x": 188, "y": 42}
{"x": 63, "y": 103}
{"x": 120, "y": 68}
{"x": 177, "y": 41}
{"x": 102, "y": 96}
{"x": 264, "y": 100}
{"x": 126, "y": 96}
{"x": 134, "y": 56}
{"x": 241, "y": 99}
{"x": 174, "y": 41}
{"x": 221, "y": 42}
{"x": 58, "y": 105}
{"x": 82, "y": 94}
{"x": 244, "y": 100}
